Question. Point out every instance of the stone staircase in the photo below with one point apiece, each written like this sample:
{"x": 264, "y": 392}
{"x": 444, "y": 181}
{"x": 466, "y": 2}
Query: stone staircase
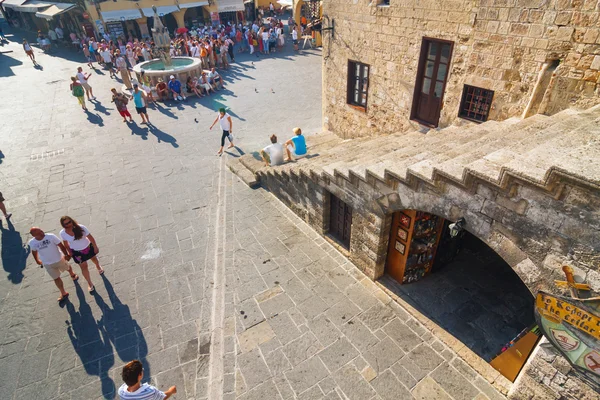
{"x": 531, "y": 150}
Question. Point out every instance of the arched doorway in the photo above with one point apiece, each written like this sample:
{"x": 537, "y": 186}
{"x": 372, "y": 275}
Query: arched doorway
{"x": 463, "y": 286}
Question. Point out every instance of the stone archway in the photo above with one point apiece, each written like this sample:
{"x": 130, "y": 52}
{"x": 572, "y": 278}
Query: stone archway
{"x": 503, "y": 245}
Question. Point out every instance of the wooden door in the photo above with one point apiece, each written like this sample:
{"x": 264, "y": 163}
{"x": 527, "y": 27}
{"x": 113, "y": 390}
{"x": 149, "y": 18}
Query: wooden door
{"x": 431, "y": 81}
{"x": 400, "y": 238}
{"x": 340, "y": 221}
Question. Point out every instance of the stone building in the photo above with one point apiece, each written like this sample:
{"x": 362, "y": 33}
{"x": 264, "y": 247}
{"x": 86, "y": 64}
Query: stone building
{"x": 529, "y": 195}
{"x": 477, "y": 113}
{"x": 528, "y": 56}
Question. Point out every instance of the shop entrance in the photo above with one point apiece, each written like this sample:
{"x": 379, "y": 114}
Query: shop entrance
{"x": 463, "y": 286}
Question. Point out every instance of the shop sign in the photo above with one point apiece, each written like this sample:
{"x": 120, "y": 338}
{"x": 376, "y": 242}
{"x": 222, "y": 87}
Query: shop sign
{"x": 100, "y": 26}
{"x": 572, "y": 326}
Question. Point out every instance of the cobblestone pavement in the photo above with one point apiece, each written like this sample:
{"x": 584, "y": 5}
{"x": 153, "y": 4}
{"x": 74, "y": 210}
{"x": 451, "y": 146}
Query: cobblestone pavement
{"x": 217, "y": 288}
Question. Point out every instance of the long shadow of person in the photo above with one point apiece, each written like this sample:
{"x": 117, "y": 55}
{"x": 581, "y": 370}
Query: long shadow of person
{"x": 14, "y": 254}
{"x": 122, "y": 330}
{"x": 162, "y": 136}
{"x": 99, "y": 107}
{"x": 138, "y": 130}
{"x": 94, "y": 118}
{"x": 165, "y": 111}
{"x": 91, "y": 342}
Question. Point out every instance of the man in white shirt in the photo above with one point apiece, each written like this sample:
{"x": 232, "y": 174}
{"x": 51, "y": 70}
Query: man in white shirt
{"x": 273, "y": 154}
{"x": 52, "y": 36}
{"x": 108, "y": 62}
{"x": 59, "y": 33}
{"x": 45, "y": 251}
{"x": 194, "y": 52}
{"x": 226, "y": 124}
{"x": 83, "y": 79}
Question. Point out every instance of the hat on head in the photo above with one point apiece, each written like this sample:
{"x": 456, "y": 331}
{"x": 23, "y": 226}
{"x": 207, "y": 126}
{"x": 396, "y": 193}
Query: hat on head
{"x": 172, "y": 77}
{"x": 222, "y": 110}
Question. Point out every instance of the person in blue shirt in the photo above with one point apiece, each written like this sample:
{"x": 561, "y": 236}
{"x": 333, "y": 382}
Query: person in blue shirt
{"x": 296, "y": 145}
{"x": 175, "y": 88}
{"x": 140, "y": 101}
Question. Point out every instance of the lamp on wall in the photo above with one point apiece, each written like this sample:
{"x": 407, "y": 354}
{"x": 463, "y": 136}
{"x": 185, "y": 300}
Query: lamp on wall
{"x": 457, "y": 227}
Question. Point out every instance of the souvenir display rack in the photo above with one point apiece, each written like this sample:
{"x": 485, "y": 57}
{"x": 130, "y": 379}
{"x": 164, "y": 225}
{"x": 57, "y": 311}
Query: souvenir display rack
{"x": 414, "y": 240}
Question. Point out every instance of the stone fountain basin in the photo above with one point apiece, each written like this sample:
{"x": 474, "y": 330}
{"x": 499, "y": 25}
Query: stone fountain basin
{"x": 182, "y": 68}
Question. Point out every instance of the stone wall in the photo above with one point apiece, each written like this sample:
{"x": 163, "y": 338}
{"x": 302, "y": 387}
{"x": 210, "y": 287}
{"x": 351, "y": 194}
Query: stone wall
{"x": 498, "y": 44}
{"x": 535, "y": 231}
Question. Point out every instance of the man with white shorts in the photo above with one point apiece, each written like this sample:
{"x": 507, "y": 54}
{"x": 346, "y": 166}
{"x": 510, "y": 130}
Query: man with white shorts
{"x": 83, "y": 79}
{"x": 45, "y": 250}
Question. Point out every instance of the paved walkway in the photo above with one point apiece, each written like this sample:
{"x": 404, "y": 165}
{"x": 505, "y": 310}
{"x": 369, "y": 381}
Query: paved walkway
{"x": 217, "y": 288}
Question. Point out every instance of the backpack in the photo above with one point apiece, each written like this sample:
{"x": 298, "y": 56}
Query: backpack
{"x": 78, "y": 91}
{"x": 203, "y": 52}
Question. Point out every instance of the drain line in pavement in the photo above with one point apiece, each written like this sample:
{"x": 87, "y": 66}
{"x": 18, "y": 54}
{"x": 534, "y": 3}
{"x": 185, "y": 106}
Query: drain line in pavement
{"x": 215, "y": 375}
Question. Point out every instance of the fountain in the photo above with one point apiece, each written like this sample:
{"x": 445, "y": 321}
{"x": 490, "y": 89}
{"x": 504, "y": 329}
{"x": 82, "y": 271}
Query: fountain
{"x": 165, "y": 65}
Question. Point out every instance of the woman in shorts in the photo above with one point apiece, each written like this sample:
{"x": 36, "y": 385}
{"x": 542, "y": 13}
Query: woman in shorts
{"x": 28, "y": 50}
{"x": 81, "y": 246}
{"x": 77, "y": 91}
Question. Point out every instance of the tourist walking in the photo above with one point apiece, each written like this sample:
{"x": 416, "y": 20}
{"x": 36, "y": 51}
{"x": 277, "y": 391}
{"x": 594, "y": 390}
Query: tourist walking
{"x": 88, "y": 56}
{"x": 83, "y": 79}
{"x": 3, "y": 207}
{"x": 77, "y": 91}
{"x": 131, "y": 56}
{"x": 81, "y": 246}
{"x": 108, "y": 61}
{"x": 140, "y": 102}
{"x": 224, "y": 121}
{"x": 121, "y": 101}
{"x": 121, "y": 65}
{"x": 29, "y": 51}
{"x": 45, "y": 251}
{"x": 134, "y": 389}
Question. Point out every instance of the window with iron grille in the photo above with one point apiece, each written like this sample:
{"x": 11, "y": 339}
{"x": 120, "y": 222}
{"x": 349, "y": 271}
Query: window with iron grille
{"x": 358, "y": 84}
{"x": 475, "y": 104}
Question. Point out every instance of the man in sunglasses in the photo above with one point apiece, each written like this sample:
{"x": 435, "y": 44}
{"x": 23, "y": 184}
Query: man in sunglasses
{"x": 45, "y": 251}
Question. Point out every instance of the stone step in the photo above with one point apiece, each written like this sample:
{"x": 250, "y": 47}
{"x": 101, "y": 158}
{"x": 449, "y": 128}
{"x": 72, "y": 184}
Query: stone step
{"x": 397, "y": 159}
{"x": 247, "y": 176}
{"x": 489, "y": 166}
{"x": 565, "y": 152}
{"x": 392, "y": 144}
{"x": 458, "y": 167}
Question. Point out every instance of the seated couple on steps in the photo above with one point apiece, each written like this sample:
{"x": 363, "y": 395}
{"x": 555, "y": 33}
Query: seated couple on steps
{"x": 273, "y": 154}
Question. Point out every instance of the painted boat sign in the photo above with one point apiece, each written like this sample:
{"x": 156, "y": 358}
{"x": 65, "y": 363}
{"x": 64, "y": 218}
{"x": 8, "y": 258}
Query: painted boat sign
{"x": 573, "y": 328}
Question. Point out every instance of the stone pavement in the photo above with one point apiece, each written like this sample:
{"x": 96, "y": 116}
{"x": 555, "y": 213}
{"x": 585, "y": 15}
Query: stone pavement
{"x": 217, "y": 288}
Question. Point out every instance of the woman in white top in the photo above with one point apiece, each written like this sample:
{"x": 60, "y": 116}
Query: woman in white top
{"x": 81, "y": 246}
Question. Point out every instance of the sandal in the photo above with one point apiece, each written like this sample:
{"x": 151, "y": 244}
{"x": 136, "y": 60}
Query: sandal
{"x": 92, "y": 289}
{"x": 100, "y": 271}
{"x": 64, "y": 297}
{"x": 75, "y": 277}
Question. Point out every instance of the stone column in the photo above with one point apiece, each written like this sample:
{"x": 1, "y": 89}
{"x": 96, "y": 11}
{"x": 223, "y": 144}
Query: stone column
{"x": 179, "y": 18}
{"x": 143, "y": 24}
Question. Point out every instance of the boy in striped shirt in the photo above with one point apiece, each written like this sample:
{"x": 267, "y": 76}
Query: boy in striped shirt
{"x": 134, "y": 389}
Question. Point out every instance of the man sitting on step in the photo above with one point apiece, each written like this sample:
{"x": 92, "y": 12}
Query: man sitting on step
{"x": 296, "y": 145}
{"x": 273, "y": 154}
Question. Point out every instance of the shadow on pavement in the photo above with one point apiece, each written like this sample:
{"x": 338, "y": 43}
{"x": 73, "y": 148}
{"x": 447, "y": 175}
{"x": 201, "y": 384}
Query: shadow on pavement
{"x": 14, "y": 254}
{"x": 162, "y": 136}
{"x": 99, "y": 107}
{"x": 94, "y": 118}
{"x": 165, "y": 111}
{"x": 138, "y": 130}
{"x": 96, "y": 342}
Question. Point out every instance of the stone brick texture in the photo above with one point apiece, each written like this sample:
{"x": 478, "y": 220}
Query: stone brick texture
{"x": 498, "y": 44}
{"x": 534, "y": 230}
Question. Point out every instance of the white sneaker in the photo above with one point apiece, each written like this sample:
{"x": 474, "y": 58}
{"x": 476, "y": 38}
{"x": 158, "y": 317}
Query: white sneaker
{"x": 93, "y": 97}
